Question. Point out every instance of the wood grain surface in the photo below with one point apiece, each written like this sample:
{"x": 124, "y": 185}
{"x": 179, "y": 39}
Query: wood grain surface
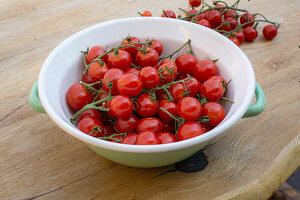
{"x": 40, "y": 161}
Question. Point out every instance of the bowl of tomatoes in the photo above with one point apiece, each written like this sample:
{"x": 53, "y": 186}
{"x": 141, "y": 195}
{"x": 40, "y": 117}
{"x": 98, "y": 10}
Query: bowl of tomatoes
{"x": 156, "y": 95}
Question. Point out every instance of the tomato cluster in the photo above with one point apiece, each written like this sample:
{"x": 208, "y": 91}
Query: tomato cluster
{"x": 131, "y": 96}
{"x": 237, "y": 24}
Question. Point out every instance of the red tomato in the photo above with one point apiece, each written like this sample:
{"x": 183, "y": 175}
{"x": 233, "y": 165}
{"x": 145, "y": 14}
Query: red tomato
{"x": 86, "y": 78}
{"x": 235, "y": 40}
{"x": 193, "y": 86}
{"x": 93, "y": 53}
{"x": 108, "y": 131}
{"x": 168, "y": 127}
{"x": 78, "y": 96}
{"x": 166, "y": 137}
{"x": 122, "y": 59}
{"x": 170, "y": 14}
{"x": 214, "y": 17}
{"x": 219, "y": 6}
{"x": 161, "y": 94}
{"x": 130, "y": 85}
{"x": 133, "y": 71}
{"x": 232, "y": 23}
{"x": 130, "y": 138}
{"x": 171, "y": 107}
{"x": 88, "y": 125}
{"x": 212, "y": 90}
{"x": 121, "y": 106}
{"x": 225, "y": 26}
{"x": 270, "y": 31}
{"x": 250, "y": 34}
{"x": 189, "y": 108}
{"x": 157, "y": 46}
{"x": 145, "y": 106}
{"x": 205, "y": 127}
{"x": 186, "y": 63}
{"x": 97, "y": 71}
{"x": 214, "y": 111}
{"x": 90, "y": 113}
{"x": 177, "y": 91}
{"x": 168, "y": 73}
{"x": 149, "y": 124}
{"x": 146, "y": 138}
{"x": 126, "y": 125}
{"x": 147, "y": 13}
{"x": 193, "y": 11}
{"x": 150, "y": 58}
{"x": 150, "y": 77}
{"x": 131, "y": 50}
{"x": 220, "y": 79}
{"x": 246, "y": 18}
{"x": 189, "y": 130}
{"x": 230, "y": 13}
{"x": 167, "y": 61}
{"x": 112, "y": 75}
{"x": 195, "y": 3}
{"x": 205, "y": 69}
{"x": 205, "y": 23}
{"x": 240, "y": 36}
{"x": 102, "y": 94}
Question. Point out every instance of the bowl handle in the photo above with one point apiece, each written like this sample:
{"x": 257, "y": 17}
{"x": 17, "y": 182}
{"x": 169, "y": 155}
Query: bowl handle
{"x": 259, "y": 105}
{"x": 34, "y": 100}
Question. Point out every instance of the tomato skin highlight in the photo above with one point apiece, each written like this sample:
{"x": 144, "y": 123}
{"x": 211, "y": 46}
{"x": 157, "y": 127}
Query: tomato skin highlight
{"x": 86, "y": 125}
{"x": 166, "y": 137}
{"x": 150, "y": 124}
{"x": 189, "y": 130}
{"x": 77, "y": 96}
{"x": 146, "y": 138}
{"x": 189, "y": 108}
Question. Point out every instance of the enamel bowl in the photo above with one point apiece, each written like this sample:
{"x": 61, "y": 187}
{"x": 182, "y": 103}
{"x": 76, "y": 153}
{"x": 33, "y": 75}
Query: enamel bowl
{"x": 64, "y": 67}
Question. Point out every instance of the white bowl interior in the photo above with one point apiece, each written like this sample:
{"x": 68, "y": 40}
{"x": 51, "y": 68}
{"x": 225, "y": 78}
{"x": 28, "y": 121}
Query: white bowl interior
{"x": 64, "y": 67}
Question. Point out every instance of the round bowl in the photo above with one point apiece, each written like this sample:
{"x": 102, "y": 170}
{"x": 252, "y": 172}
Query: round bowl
{"x": 64, "y": 67}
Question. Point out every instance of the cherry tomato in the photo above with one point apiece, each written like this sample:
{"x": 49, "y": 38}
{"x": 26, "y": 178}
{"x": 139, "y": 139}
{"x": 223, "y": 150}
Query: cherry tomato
{"x": 168, "y": 127}
{"x": 112, "y": 75}
{"x": 108, "y": 131}
{"x": 102, "y": 94}
{"x": 146, "y": 138}
{"x": 166, "y": 137}
{"x": 205, "y": 69}
{"x": 246, "y": 18}
{"x": 86, "y": 78}
{"x": 146, "y": 13}
{"x": 214, "y": 17}
{"x": 145, "y": 106}
{"x": 93, "y": 53}
{"x": 150, "y": 58}
{"x": 240, "y": 36}
{"x": 193, "y": 86}
{"x": 96, "y": 71}
{"x": 133, "y": 71}
{"x": 214, "y": 111}
{"x": 189, "y": 108}
{"x": 130, "y": 138}
{"x": 250, "y": 34}
{"x": 150, "y": 77}
{"x": 193, "y": 11}
{"x": 167, "y": 61}
{"x": 230, "y": 13}
{"x": 219, "y": 6}
{"x": 225, "y": 26}
{"x": 157, "y": 46}
{"x": 170, "y": 14}
{"x": 270, "y": 31}
{"x": 186, "y": 64}
{"x": 235, "y": 40}
{"x": 177, "y": 91}
{"x": 130, "y": 85}
{"x": 91, "y": 126}
{"x": 121, "y": 106}
{"x": 149, "y": 124}
{"x": 205, "y": 23}
{"x": 232, "y": 22}
{"x": 118, "y": 137}
{"x": 90, "y": 113}
{"x": 171, "y": 107}
{"x": 189, "y": 130}
{"x": 78, "y": 96}
{"x": 205, "y": 127}
{"x": 126, "y": 125}
{"x": 131, "y": 50}
{"x": 195, "y": 3}
{"x": 122, "y": 59}
{"x": 220, "y": 79}
{"x": 168, "y": 72}
{"x": 212, "y": 90}
{"x": 161, "y": 94}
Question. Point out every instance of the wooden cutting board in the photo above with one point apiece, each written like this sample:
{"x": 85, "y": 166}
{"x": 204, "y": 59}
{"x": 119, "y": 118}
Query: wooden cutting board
{"x": 40, "y": 161}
